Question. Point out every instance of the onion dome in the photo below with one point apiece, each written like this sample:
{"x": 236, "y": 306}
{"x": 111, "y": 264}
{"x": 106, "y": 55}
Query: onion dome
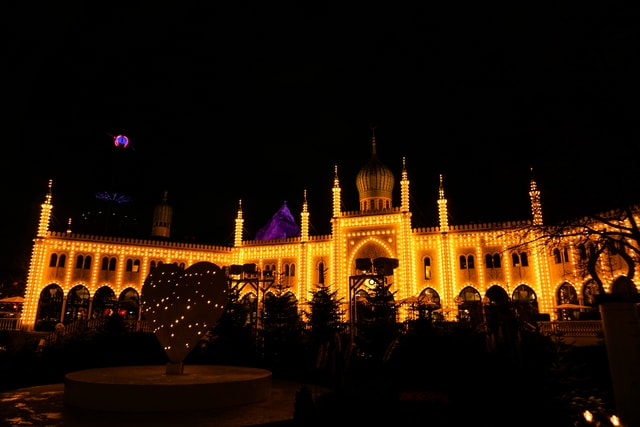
{"x": 375, "y": 183}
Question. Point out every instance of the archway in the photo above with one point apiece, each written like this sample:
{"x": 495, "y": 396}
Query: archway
{"x": 129, "y": 304}
{"x": 49, "y": 308}
{"x": 567, "y": 300}
{"x": 104, "y": 303}
{"x": 525, "y": 304}
{"x": 77, "y": 306}
{"x": 470, "y": 306}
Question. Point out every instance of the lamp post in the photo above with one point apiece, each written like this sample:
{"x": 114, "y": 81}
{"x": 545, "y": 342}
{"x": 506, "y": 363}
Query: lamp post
{"x": 355, "y": 282}
{"x": 375, "y": 272}
{"x": 248, "y": 274}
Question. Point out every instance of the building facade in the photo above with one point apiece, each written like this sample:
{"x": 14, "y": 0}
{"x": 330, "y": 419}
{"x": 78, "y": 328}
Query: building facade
{"x": 451, "y": 270}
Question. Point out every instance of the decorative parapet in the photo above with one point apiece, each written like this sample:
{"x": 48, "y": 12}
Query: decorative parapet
{"x": 138, "y": 242}
{"x": 371, "y": 212}
{"x": 477, "y": 226}
{"x": 285, "y": 241}
{"x": 323, "y": 238}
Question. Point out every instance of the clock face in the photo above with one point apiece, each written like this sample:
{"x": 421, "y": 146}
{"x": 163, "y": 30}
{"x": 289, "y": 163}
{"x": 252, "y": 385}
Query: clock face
{"x": 121, "y": 141}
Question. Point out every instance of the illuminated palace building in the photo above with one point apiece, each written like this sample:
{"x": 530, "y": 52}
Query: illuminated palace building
{"x": 452, "y": 270}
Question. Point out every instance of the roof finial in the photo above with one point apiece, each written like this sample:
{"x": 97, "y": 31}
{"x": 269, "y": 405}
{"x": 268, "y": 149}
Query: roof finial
{"x": 373, "y": 139}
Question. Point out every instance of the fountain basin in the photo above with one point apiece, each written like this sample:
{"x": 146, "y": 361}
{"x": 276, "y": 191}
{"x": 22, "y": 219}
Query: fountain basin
{"x": 149, "y": 388}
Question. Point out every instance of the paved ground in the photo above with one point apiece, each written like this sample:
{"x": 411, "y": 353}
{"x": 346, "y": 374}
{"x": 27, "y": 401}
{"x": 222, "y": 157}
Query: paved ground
{"x": 43, "y": 406}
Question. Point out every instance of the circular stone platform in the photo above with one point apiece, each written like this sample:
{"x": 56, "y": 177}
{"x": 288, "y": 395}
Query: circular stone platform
{"x": 149, "y": 388}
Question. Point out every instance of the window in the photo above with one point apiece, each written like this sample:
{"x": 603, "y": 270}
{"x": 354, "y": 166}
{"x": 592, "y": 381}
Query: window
{"x": 293, "y": 270}
{"x": 83, "y": 262}
{"x": 57, "y": 261}
{"x": 427, "y": 268}
{"x": 321, "y": 273}
{"x": 467, "y": 262}
{"x": 582, "y": 252}
{"x": 133, "y": 265}
{"x": 515, "y": 259}
{"x": 492, "y": 261}
{"x": 524, "y": 259}
{"x": 488, "y": 261}
{"x": 108, "y": 264}
{"x": 561, "y": 256}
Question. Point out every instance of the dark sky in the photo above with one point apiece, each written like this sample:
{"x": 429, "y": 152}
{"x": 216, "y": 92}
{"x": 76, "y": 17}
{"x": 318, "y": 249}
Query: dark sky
{"x": 259, "y": 101}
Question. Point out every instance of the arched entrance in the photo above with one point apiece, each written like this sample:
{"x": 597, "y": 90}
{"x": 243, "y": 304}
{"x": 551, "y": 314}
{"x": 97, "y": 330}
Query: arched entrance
{"x": 49, "y": 308}
{"x": 104, "y": 303}
{"x": 77, "y": 305}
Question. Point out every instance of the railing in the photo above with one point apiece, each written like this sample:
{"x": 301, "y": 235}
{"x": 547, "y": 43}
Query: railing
{"x": 10, "y": 323}
{"x": 79, "y": 327}
{"x": 582, "y": 329}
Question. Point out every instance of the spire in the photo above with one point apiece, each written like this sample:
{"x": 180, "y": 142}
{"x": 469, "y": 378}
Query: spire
{"x": 536, "y": 204}
{"x": 404, "y": 188}
{"x": 237, "y": 241}
{"x": 45, "y": 212}
{"x": 304, "y": 220}
{"x": 337, "y": 201}
{"x": 443, "y": 213}
{"x": 374, "y": 151}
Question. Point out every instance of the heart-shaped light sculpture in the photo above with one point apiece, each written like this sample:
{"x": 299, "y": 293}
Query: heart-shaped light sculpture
{"x": 182, "y": 305}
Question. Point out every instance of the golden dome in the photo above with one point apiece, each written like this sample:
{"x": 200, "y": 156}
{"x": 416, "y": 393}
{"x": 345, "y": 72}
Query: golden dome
{"x": 375, "y": 181}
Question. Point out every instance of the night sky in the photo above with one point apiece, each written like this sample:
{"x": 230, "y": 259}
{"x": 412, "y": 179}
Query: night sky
{"x": 260, "y": 101}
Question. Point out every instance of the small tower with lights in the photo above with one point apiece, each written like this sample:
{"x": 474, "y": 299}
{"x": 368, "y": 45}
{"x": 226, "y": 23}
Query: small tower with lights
{"x": 162, "y": 218}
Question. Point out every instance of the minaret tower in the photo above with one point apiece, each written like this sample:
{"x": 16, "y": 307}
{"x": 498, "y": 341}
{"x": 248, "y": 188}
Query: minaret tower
{"x": 338, "y": 253}
{"x": 162, "y": 218}
{"x": 546, "y": 300}
{"x": 536, "y": 205}
{"x": 337, "y": 201}
{"x": 45, "y": 212}
{"x": 237, "y": 241}
{"x": 443, "y": 213}
{"x": 445, "y": 249}
{"x": 404, "y": 188}
{"x": 38, "y": 259}
{"x": 405, "y": 249}
{"x": 304, "y": 220}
